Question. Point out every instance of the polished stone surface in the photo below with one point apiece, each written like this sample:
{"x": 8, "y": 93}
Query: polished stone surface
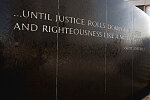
{"x": 74, "y": 59}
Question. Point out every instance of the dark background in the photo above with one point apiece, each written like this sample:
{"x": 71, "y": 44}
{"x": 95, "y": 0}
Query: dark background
{"x": 48, "y": 66}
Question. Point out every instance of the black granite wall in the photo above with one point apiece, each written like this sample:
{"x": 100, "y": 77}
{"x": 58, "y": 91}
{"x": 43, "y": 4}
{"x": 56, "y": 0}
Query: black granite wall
{"x": 98, "y": 50}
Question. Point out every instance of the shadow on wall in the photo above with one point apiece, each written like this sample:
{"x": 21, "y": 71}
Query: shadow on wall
{"x": 141, "y": 71}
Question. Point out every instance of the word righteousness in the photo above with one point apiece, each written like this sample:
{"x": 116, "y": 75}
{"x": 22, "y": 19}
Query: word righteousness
{"x": 66, "y": 30}
{"x": 75, "y": 31}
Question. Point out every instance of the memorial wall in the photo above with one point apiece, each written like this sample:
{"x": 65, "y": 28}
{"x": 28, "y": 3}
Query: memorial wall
{"x": 73, "y": 50}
